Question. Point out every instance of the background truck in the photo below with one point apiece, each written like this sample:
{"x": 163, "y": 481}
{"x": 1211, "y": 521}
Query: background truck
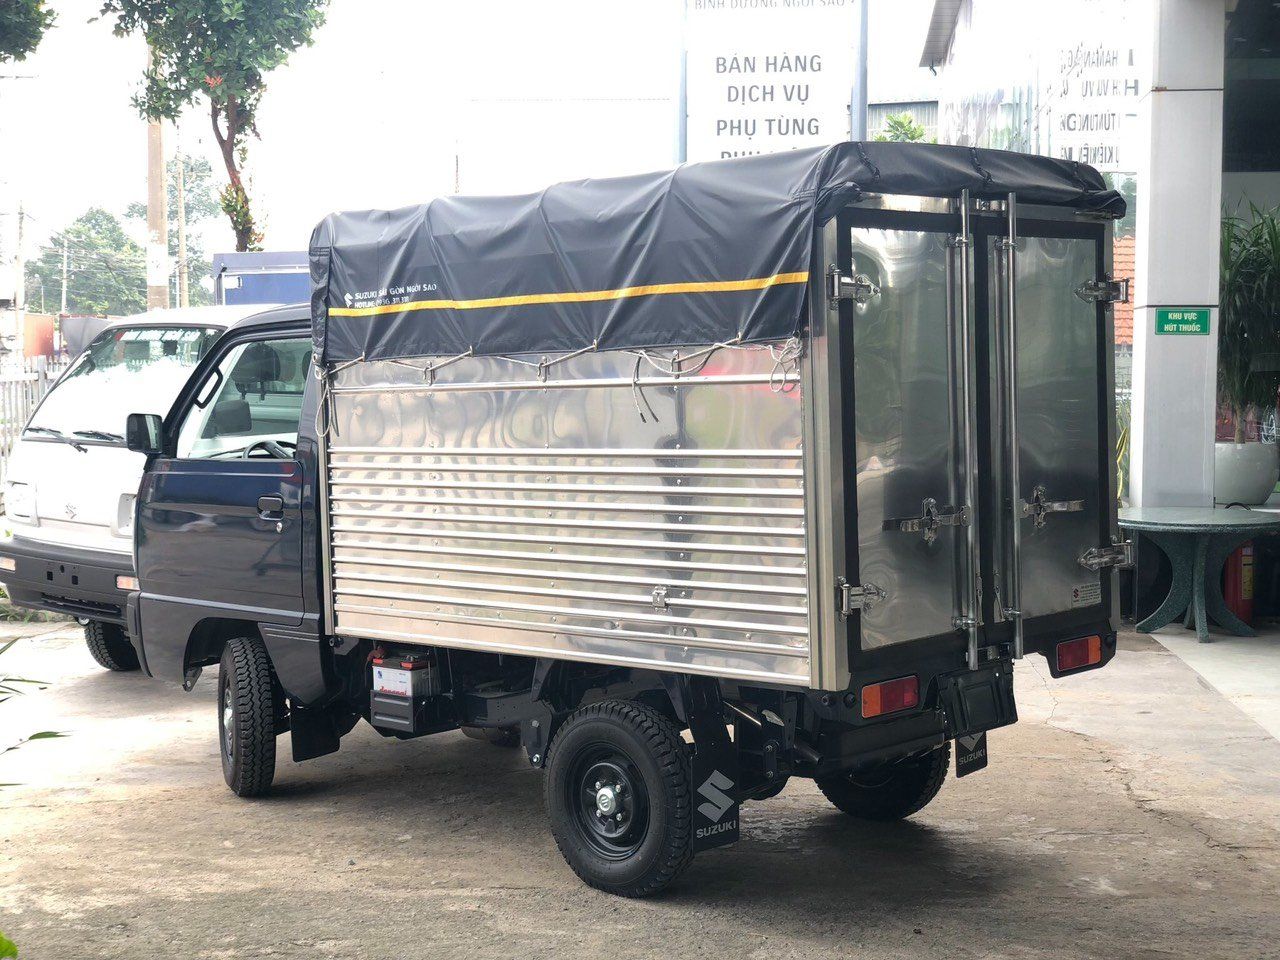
{"x": 261, "y": 277}
{"x": 689, "y": 483}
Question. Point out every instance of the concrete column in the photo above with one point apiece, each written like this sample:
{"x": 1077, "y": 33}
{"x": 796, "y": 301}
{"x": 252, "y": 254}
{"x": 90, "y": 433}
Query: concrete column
{"x": 1179, "y": 213}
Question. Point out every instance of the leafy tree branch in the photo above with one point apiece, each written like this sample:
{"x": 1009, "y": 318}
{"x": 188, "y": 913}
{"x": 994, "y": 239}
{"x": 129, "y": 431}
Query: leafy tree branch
{"x": 23, "y": 24}
{"x": 222, "y": 51}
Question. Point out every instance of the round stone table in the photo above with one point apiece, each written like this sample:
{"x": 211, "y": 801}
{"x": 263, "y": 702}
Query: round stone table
{"x": 1197, "y": 541}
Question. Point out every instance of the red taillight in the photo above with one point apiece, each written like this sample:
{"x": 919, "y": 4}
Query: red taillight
{"x": 890, "y": 696}
{"x": 1081, "y": 652}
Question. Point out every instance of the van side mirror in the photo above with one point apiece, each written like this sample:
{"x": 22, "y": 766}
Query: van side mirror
{"x": 142, "y": 433}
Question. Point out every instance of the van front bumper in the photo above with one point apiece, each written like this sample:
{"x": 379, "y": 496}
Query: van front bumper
{"x": 68, "y": 580}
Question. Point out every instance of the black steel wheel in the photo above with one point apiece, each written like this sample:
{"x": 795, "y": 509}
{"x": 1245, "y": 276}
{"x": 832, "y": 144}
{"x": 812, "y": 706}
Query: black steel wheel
{"x": 891, "y": 791}
{"x": 247, "y": 710}
{"x": 109, "y": 646}
{"x": 618, "y": 796}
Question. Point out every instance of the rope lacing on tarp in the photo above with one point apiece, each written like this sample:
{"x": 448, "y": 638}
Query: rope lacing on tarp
{"x": 783, "y": 377}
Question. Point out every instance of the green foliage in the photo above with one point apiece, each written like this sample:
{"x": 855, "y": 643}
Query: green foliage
{"x": 202, "y": 206}
{"x": 1249, "y": 314}
{"x": 22, "y": 26}
{"x": 221, "y": 51}
{"x": 7, "y": 949}
{"x": 202, "y": 198}
{"x": 106, "y": 271}
{"x": 9, "y": 687}
{"x": 901, "y": 128}
{"x": 1124, "y": 416}
{"x": 1127, "y": 187}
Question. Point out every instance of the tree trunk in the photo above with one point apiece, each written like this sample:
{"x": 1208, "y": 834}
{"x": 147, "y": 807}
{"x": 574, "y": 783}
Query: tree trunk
{"x": 1239, "y": 416}
{"x": 235, "y": 199}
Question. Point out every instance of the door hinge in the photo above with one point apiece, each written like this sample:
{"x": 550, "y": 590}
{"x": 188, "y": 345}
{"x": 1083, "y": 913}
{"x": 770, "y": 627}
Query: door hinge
{"x": 857, "y": 288}
{"x": 851, "y": 597}
{"x": 1119, "y": 554}
{"x": 1105, "y": 290}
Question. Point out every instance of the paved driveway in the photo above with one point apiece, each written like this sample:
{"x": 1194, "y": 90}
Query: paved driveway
{"x": 1133, "y": 813}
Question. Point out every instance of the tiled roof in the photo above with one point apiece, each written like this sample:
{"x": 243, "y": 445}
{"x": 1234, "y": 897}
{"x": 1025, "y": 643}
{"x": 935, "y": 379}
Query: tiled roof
{"x": 1122, "y": 252}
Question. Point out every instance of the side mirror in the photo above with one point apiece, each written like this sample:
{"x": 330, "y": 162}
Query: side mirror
{"x": 142, "y": 433}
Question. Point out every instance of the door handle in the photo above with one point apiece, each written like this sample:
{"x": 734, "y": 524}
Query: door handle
{"x": 1008, "y": 264}
{"x": 271, "y": 507}
{"x": 930, "y": 520}
{"x": 1040, "y": 506}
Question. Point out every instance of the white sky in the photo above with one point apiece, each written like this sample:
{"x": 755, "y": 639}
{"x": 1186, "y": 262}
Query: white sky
{"x": 393, "y": 93}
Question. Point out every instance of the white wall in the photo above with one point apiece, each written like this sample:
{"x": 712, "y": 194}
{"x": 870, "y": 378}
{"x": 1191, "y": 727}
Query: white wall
{"x": 1179, "y": 212}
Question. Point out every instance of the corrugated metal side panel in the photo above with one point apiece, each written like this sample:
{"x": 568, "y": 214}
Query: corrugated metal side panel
{"x": 594, "y": 516}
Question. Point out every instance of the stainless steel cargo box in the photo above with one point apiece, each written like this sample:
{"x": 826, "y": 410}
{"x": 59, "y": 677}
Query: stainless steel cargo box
{"x": 918, "y": 463}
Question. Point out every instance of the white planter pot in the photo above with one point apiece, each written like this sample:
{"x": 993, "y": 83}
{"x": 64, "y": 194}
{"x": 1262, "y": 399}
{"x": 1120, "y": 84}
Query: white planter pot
{"x": 1245, "y": 472}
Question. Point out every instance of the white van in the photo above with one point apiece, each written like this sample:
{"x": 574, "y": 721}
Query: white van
{"x": 71, "y": 481}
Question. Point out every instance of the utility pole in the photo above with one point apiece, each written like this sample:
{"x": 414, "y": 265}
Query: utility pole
{"x": 19, "y": 276}
{"x": 184, "y": 299}
{"x": 858, "y": 100}
{"x": 63, "y": 309}
{"x": 157, "y": 217}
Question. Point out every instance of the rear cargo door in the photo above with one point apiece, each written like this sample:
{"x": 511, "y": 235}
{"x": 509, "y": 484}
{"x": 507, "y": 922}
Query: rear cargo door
{"x": 1050, "y": 415}
{"x": 911, "y": 548}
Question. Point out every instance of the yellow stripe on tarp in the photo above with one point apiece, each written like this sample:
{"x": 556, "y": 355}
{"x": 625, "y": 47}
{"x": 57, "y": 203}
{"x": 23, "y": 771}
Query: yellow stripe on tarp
{"x": 577, "y": 296}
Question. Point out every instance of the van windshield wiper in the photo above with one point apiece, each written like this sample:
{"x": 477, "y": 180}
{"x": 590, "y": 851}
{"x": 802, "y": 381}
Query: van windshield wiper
{"x": 99, "y": 435}
{"x": 58, "y": 435}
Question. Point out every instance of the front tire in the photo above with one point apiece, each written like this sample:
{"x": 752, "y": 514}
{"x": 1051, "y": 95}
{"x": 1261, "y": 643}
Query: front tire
{"x": 109, "y": 646}
{"x": 890, "y": 792}
{"x": 247, "y": 708}
{"x": 618, "y": 795}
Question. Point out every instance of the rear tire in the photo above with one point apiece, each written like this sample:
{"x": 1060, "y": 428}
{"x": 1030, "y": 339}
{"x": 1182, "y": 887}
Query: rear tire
{"x": 109, "y": 646}
{"x": 631, "y": 835}
{"x": 247, "y": 698}
{"x": 890, "y": 792}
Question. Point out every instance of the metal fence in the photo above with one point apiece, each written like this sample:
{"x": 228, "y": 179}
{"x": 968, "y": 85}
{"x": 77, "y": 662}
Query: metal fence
{"x": 22, "y": 385}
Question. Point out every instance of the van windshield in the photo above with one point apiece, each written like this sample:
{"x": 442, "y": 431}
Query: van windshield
{"x": 125, "y": 370}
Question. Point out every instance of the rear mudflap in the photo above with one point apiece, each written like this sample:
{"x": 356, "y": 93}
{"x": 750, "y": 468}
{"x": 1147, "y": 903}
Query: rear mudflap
{"x": 975, "y": 701}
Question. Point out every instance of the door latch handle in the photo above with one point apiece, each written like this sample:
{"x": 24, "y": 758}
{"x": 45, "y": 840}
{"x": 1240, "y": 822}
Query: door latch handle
{"x": 1040, "y": 506}
{"x": 931, "y": 519}
{"x": 271, "y": 507}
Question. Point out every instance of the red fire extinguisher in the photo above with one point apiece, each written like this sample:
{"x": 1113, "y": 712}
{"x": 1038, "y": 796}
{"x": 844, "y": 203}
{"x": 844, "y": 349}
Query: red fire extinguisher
{"x": 1237, "y": 583}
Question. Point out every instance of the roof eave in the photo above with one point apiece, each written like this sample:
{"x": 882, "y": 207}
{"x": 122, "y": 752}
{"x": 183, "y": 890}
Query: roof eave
{"x": 942, "y": 30}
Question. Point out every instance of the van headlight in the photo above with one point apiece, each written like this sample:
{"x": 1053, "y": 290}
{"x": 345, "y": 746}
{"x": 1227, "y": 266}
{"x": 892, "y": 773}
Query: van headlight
{"x": 19, "y": 500}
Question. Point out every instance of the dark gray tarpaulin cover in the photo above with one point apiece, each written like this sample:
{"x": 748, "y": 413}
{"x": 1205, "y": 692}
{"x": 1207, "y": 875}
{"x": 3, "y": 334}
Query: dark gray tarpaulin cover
{"x": 706, "y": 253}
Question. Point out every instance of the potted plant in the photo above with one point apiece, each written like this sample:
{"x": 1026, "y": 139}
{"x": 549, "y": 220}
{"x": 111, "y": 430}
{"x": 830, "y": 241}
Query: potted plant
{"x": 1246, "y": 464}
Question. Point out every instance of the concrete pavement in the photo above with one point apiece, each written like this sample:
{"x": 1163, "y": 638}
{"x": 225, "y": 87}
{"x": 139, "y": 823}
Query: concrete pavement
{"x": 1134, "y": 812}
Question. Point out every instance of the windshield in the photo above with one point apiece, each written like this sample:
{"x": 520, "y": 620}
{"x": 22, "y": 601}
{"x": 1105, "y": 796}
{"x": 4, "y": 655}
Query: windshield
{"x": 124, "y": 371}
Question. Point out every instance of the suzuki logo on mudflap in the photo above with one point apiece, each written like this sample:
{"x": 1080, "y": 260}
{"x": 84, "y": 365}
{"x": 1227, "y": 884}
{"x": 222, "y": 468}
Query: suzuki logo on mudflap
{"x": 718, "y": 802}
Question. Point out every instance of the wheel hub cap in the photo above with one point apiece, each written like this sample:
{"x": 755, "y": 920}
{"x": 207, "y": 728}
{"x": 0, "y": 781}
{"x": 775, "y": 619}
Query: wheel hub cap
{"x": 607, "y": 802}
{"x": 228, "y": 723}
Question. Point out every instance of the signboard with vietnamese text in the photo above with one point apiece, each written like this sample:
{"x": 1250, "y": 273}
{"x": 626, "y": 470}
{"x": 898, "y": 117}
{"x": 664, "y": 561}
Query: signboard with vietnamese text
{"x": 767, "y": 75}
{"x": 1182, "y": 320}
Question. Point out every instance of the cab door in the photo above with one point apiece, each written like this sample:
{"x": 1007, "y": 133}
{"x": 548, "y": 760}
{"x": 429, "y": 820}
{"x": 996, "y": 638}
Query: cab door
{"x": 219, "y": 517}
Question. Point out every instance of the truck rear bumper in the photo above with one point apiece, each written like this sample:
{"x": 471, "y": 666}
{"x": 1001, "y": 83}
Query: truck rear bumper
{"x": 68, "y": 580}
